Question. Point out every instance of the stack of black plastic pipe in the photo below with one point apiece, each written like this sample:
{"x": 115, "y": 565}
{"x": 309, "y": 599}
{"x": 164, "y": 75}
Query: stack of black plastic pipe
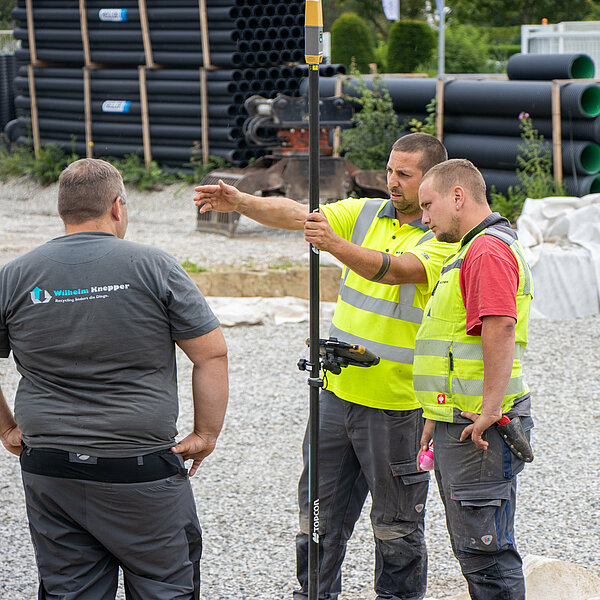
{"x": 254, "y": 49}
{"x": 481, "y": 116}
{"x": 7, "y": 89}
{"x": 242, "y": 33}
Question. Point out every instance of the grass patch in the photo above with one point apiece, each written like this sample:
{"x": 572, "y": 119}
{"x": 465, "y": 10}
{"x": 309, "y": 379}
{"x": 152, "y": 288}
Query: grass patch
{"x": 21, "y": 161}
{"x": 192, "y": 267}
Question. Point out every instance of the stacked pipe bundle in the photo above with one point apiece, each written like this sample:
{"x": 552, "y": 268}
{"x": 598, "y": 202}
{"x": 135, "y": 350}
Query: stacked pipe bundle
{"x": 241, "y": 33}
{"x": 253, "y": 46}
{"x": 7, "y": 89}
{"x": 174, "y": 109}
{"x": 481, "y": 116}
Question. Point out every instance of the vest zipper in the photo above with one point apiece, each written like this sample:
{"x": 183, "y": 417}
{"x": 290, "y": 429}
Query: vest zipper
{"x": 451, "y": 365}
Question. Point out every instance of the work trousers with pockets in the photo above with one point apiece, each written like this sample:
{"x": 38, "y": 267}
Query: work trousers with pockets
{"x": 365, "y": 449}
{"x": 478, "y": 489}
{"x": 84, "y": 530}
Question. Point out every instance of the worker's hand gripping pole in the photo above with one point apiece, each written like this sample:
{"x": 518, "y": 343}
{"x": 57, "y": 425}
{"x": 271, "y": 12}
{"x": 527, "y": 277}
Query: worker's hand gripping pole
{"x": 313, "y": 21}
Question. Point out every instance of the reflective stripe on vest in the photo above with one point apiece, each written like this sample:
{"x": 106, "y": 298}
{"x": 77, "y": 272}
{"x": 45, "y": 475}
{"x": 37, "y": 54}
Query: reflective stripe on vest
{"x": 404, "y": 309}
{"x": 448, "y": 369}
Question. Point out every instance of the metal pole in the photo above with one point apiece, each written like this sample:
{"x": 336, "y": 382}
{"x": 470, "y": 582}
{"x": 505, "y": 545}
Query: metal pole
{"x": 313, "y": 56}
{"x": 441, "y": 10}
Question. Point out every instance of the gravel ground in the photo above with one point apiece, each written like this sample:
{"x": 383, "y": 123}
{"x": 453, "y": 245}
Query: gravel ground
{"x": 245, "y": 491}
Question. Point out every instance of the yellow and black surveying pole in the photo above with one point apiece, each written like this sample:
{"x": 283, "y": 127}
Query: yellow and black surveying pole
{"x": 313, "y": 24}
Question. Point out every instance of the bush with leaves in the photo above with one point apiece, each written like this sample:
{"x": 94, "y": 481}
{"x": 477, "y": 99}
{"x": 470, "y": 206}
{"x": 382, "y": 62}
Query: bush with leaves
{"x": 375, "y": 126}
{"x": 134, "y": 172}
{"x": 199, "y": 169}
{"x": 467, "y": 50}
{"x": 410, "y": 44}
{"x": 429, "y": 124}
{"x": 45, "y": 168}
{"x": 534, "y": 173}
{"x": 351, "y": 41}
{"x": 52, "y": 159}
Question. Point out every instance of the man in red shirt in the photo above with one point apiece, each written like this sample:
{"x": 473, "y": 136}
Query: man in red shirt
{"x": 467, "y": 375}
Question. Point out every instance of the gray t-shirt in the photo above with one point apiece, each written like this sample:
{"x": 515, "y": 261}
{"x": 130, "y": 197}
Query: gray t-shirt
{"x": 91, "y": 320}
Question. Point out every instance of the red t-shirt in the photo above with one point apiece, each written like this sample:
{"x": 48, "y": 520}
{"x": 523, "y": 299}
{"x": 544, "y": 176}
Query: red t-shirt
{"x": 489, "y": 279}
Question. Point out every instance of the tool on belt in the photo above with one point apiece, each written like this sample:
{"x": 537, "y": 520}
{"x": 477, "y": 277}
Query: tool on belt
{"x": 514, "y": 437}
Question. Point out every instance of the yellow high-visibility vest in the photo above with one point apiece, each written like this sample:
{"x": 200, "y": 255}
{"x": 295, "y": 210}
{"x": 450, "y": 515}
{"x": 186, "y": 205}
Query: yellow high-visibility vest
{"x": 383, "y": 318}
{"x": 448, "y": 366}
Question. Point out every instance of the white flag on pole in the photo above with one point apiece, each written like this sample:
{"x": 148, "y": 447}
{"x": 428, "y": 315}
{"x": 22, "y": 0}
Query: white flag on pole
{"x": 391, "y": 8}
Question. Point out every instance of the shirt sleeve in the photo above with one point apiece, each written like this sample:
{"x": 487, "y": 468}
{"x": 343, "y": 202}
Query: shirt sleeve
{"x": 432, "y": 255}
{"x": 342, "y": 215}
{"x": 4, "y": 342}
{"x": 489, "y": 280}
{"x": 189, "y": 314}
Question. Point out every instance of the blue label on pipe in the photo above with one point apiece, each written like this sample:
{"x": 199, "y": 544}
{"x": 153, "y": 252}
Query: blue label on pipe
{"x": 116, "y": 15}
{"x": 116, "y": 106}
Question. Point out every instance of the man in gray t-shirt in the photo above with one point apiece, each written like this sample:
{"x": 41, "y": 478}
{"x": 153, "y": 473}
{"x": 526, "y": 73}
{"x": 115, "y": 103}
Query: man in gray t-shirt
{"x": 92, "y": 321}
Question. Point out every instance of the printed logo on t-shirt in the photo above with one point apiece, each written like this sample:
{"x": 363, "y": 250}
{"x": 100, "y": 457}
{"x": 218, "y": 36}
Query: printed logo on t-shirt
{"x": 40, "y": 296}
{"x": 441, "y": 399}
{"x": 70, "y": 296}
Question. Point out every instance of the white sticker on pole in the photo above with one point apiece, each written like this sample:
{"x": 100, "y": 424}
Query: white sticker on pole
{"x": 391, "y": 8}
{"x": 116, "y": 106}
{"x": 115, "y": 15}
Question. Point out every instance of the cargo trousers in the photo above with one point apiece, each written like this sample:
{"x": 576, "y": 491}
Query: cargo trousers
{"x": 366, "y": 450}
{"x": 85, "y": 528}
{"x": 478, "y": 489}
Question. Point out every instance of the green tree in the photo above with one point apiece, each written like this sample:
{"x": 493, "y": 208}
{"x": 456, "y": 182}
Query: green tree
{"x": 369, "y": 10}
{"x": 520, "y": 12}
{"x": 352, "y": 40}
{"x": 411, "y": 43}
{"x": 467, "y": 50}
{"x": 6, "y": 7}
{"x": 367, "y": 145}
{"x": 534, "y": 173}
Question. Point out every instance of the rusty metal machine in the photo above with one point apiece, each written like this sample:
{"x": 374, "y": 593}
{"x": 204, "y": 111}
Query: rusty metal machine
{"x": 280, "y": 125}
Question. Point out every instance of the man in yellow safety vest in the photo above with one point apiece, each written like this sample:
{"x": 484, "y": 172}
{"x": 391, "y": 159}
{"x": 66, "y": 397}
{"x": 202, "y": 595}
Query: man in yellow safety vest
{"x": 467, "y": 375}
{"x": 370, "y": 420}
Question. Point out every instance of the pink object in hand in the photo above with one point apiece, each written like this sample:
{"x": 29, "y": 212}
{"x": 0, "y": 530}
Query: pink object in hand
{"x": 426, "y": 460}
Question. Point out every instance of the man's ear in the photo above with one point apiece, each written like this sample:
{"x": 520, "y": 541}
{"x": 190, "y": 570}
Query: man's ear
{"x": 116, "y": 209}
{"x": 459, "y": 196}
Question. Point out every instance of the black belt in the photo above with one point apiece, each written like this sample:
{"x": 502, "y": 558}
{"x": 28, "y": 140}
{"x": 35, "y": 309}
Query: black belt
{"x": 134, "y": 469}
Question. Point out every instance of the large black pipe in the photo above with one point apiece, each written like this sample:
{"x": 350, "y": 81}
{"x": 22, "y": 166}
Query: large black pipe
{"x": 500, "y": 152}
{"x": 550, "y": 66}
{"x": 133, "y": 129}
{"x": 132, "y": 36}
{"x": 158, "y": 152}
{"x": 131, "y": 108}
{"x": 408, "y": 94}
{"x": 76, "y": 58}
{"x": 481, "y": 97}
{"x": 509, "y": 98}
{"x": 152, "y": 74}
{"x": 575, "y": 186}
{"x": 106, "y": 86}
{"x": 70, "y": 16}
{"x": 571, "y": 129}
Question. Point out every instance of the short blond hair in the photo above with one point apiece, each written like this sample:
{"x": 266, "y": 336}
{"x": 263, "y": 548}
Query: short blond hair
{"x": 458, "y": 172}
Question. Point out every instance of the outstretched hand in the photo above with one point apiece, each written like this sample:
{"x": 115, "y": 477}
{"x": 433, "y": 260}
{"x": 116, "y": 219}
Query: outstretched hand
{"x": 194, "y": 447}
{"x": 11, "y": 440}
{"x": 221, "y": 197}
{"x": 475, "y": 431}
